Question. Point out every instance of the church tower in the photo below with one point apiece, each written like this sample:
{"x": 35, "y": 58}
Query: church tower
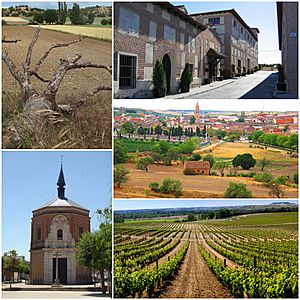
{"x": 55, "y": 229}
{"x": 197, "y": 114}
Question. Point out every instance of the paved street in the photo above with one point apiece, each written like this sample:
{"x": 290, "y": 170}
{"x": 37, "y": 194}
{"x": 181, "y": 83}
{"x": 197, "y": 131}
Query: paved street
{"x": 51, "y": 294}
{"x": 255, "y": 86}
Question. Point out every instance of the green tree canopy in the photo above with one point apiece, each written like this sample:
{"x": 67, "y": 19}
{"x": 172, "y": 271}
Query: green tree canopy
{"x": 237, "y": 190}
{"x": 120, "y": 152}
{"x": 120, "y": 175}
{"x": 144, "y": 162}
{"x": 94, "y": 249}
{"x": 246, "y": 161}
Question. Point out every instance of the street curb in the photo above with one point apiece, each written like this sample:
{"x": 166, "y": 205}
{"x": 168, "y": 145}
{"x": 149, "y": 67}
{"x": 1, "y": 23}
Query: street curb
{"x": 73, "y": 289}
{"x": 190, "y": 94}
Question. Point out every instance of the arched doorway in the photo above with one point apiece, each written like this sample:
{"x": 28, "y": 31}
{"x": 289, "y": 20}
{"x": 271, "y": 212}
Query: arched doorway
{"x": 167, "y": 68}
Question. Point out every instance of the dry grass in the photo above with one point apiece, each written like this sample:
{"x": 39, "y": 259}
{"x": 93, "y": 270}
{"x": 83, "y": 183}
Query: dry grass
{"x": 15, "y": 21}
{"x": 101, "y": 33}
{"x": 193, "y": 186}
{"x": 230, "y": 150}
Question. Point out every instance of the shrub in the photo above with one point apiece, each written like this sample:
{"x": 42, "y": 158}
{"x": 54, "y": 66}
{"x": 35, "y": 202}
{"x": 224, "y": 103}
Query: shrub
{"x": 237, "y": 190}
{"x": 295, "y": 177}
{"x": 171, "y": 186}
{"x": 159, "y": 80}
{"x": 275, "y": 191}
{"x": 4, "y": 22}
{"x": 154, "y": 186}
{"x": 264, "y": 177}
{"x": 213, "y": 173}
{"x": 186, "y": 79}
{"x": 196, "y": 157}
{"x": 281, "y": 180}
{"x": 210, "y": 159}
{"x": 104, "y": 22}
{"x": 189, "y": 171}
{"x": 248, "y": 175}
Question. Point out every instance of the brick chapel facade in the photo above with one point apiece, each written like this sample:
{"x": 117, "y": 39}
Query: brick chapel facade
{"x": 56, "y": 227}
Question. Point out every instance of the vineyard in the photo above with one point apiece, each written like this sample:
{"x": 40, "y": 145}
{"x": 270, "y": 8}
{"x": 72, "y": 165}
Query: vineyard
{"x": 252, "y": 256}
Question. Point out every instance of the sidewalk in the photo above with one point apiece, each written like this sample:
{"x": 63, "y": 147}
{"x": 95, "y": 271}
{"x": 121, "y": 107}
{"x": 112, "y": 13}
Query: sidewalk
{"x": 203, "y": 89}
{"x": 30, "y": 287}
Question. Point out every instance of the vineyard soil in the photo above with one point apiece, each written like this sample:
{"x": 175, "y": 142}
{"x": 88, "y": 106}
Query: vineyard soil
{"x": 193, "y": 278}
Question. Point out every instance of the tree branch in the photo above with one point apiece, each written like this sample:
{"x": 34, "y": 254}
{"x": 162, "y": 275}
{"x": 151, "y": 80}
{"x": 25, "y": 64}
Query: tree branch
{"x": 91, "y": 94}
{"x": 38, "y": 65}
{"x": 27, "y": 62}
{"x": 10, "y": 41}
{"x": 39, "y": 77}
{"x": 4, "y": 40}
{"x": 12, "y": 68}
{"x": 89, "y": 65}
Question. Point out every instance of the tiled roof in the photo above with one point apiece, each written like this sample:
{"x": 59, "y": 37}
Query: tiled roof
{"x": 57, "y": 202}
{"x": 196, "y": 164}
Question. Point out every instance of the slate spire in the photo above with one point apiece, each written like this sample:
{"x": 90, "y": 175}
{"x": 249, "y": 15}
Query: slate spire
{"x": 61, "y": 183}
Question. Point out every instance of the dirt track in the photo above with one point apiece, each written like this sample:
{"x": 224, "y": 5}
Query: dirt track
{"x": 195, "y": 280}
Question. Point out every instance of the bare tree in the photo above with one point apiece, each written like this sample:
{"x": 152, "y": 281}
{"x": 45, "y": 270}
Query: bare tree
{"x": 35, "y": 104}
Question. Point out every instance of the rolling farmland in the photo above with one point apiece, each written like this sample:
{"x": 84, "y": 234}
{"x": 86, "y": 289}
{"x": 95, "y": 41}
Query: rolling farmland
{"x": 254, "y": 256}
{"x": 101, "y": 33}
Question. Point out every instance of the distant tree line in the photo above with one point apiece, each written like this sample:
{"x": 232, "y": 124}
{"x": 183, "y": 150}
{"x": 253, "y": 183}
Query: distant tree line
{"x": 77, "y": 15}
{"x": 283, "y": 141}
{"x": 203, "y": 214}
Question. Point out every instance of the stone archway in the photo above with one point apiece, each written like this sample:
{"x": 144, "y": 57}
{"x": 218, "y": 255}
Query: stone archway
{"x": 169, "y": 64}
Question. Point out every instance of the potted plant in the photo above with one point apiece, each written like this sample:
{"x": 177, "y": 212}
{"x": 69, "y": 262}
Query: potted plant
{"x": 281, "y": 85}
{"x": 186, "y": 79}
{"x": 159, "y": 80}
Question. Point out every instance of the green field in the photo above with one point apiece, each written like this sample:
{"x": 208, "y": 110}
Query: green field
{"x": 141, "y": 146}
{"x": 257, "y": 219}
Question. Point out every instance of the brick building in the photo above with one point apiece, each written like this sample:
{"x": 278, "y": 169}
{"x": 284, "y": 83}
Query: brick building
{"x": 148, "y": 31}
{"x": 239, "y": 41}
{"x": 55, "y": 229}
{"x": 199, "y": 167}
{"x": 287, "y": 16}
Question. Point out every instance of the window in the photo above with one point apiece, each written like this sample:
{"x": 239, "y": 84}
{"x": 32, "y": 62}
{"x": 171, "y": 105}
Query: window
{"x": 152, "y": 31}
{"x": 129, "y": 22}
{"x": 169, "y": 33}
{"x": 234, "y": 23}
{"x": 192, "y": 44}
{"x": 127, "y": 72}
{"x": 80, "y": 231}
{"x": 214, "y": 21}
{"x": 150, "y": 8}
{"x": 39, "y": 236}
{"x": 59, "y": 234}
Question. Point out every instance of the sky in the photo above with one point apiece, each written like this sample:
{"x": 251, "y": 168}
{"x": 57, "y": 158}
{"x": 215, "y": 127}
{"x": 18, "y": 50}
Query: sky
{"x": 212, "y": 104}
{"x": 52, "y": 4}
{"x": 152, "y": 204}
{"x": 29, "y": 181}
{"x": 262, "y": 15}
